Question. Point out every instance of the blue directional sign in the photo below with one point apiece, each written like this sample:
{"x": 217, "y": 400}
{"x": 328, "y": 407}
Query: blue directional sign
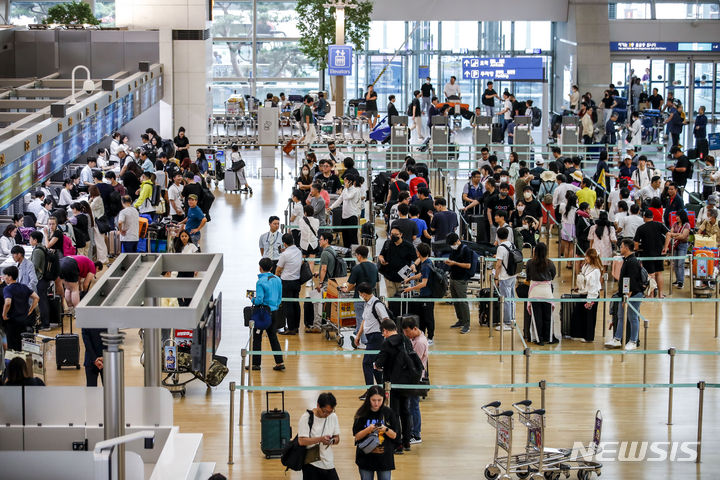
{"x": 340, "y": 60}
{"x": 517, "y": 68}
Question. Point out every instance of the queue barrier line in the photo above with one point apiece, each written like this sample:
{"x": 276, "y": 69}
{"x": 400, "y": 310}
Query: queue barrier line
{"x": 495, "y": 299}
{"x": 484, "y": 353}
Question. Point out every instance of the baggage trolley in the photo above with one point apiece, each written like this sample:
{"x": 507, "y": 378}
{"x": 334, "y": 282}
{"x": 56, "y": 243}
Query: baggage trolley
{"x": 704, "y": 266}
{"x": 502, "y": 421}
{"x": 36, "y": 345}
{"x": 550, "y": 463}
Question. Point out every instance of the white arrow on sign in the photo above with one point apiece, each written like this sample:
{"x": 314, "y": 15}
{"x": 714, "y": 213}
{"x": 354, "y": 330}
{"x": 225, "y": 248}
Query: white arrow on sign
{"x": 467, "y": 74}
{"x": 466, "y": 62}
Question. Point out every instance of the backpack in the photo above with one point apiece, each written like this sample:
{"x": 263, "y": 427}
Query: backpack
{"x": 391, "y": 314}
{"x": 408, "y": 367}
{"x": 536, "y": 116}
{"x": 156, "y": 195}
{"x": 168, "y": 147}
{"x": 340, "y": 266}
{"x": 644, "y": 278}
{"x": 548, "y": 197}
{"x": 297, "y": 115}
{"x": 293, "y": 455}
{"x": 515, "y": 260}
{"x": 207, "y": 200}
{"x": 67, "y": 246}
{"x": 437, "y": 281}
{"x": 51, "y": 270}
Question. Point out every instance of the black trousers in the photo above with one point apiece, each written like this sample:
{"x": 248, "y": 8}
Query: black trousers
{"x": 675, "y": 139}
{"x": 291, "y": 310}
{"x": 43, "y": 303}
{"x": 311, "y": 472}
{"x": 91, "y": 376}
{"x": 349, "y": 235}
{"x": 13, "y": 331}
{"x": 426, "y": 317}
{"x": 400, "y": 405}
{"x": 272, "y": 336}
{"x": 543, "y": 319}
{"x": 582, "y": 323}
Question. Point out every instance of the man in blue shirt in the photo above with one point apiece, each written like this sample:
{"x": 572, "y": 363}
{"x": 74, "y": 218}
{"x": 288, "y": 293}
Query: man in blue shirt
{"x": 16, "y": 315}
{"x": 195, "y": 220}
{"x": 443, "y": 222}
{"x": 268, "y": 294}
{"x": 424, "y": 310}
{"x": 674, "y": 123}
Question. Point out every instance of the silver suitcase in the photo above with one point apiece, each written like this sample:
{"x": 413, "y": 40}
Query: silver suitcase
{"x": 231, "y": 181}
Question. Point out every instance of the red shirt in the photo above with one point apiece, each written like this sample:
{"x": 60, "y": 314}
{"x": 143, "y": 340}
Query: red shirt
{"x": 415, "y": 183}
{"x": 657, "y": 214}
{"x": 85, "y": 265}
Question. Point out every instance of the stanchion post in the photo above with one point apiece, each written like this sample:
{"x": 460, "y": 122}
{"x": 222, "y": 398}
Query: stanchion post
{"x": 692, "y": 285}
{"x": 701, "y": 387}
{"x": 717, "y": 290}
{"x": 672, "y": 254}
{"x": 490, "y": 303}
{"x": 527, "y": 372}
{"x": 605, "y": 304}
{"x": 624, "y": 325}
{"x": 512, "y": 356}
{"x": 645, "y": 330}
{"x": 231, "y": 430}
{"x": 243, "y": 354}
{"x": 501, "y": 324}
{"x": 250, "y": 357}
{"x": 543, "y": 385}
{"x": 671, "y": 352}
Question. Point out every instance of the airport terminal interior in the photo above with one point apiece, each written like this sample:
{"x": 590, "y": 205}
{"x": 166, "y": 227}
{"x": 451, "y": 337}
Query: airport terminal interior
{"x": 460, "y": 239}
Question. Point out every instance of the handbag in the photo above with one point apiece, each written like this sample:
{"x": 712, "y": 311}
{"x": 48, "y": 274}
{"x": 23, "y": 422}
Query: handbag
{"x": 294, "y": 455}
{"x": 261, "y": 316}
{"x": 306, "y": 273}
{"x": 628, "y": 137}
{"x": 369, "y": 443}
{"x": 104, "y": 224}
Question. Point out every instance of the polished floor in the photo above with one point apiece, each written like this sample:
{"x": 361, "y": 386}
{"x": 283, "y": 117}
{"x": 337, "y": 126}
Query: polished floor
{"x": 457, "y": 441}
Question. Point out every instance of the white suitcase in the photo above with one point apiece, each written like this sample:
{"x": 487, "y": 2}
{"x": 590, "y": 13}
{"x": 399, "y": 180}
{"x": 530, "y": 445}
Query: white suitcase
{"x": 231, "y": 181}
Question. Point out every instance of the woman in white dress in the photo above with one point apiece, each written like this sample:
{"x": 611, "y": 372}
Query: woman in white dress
{"x": 635, "y": 131}
{"x": 602, "y": 237}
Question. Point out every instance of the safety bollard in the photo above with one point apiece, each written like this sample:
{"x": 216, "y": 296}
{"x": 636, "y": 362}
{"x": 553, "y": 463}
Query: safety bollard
{"x": 624, "y": 326}
{"x": 645, "y": 345}
{"x": 243, "y": 355}
{"x": 527, "y": 372}
{"x": 701, "y": 387}
{"x": 671, "y": 352}
{"x": 501, "y": 324}
{"x": 512, "y": 357}
{"x": 543, "y": 384}
{"x": 231, "y": 430}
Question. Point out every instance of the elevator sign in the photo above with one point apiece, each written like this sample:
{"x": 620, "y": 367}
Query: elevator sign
{"x": 340, "y": 60}
{"x": 512, "y": 68}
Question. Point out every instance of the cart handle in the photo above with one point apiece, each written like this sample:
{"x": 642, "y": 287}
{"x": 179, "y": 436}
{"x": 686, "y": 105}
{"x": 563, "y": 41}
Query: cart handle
{"x": 494, "y": 404}
{"x": 525, "y": 403}
{"x": 506, "y": 413}
{"x": 539, "y": 411}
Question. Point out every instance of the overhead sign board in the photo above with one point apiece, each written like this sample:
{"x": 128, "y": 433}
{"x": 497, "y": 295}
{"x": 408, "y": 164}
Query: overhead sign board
{"x": 509, "y": 68}
{"x": 664, "y": 47}
{"x": 340, "y": 60}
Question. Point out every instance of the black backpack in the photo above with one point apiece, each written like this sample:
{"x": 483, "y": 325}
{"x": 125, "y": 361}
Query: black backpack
{"x": 515, "y": 260}
{"x": 340, "y": 269}
{"x": 207, "y": 200}
{"x": 408, "y": 367}
{"x": 391, "y": 314}
{"x": 293, "y": 455}
{"x": 536, "y": 116}
{"x": 297, "y": 115}
{"x": 156, "y": 195}
{"x": 437, "y": 281}
{"x": 51, "y": 270}
{"x": 168, "y": 146}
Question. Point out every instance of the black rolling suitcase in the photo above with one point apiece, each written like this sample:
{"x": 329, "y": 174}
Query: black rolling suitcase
{"x": 566, "y": 311}
{"x": 55, "y": 309}
{"x": 67, "y": 347}
{"x": 484, "y": 308}
{"x": 275, "y": 428}
{"x": 497, "y": 133}
{"x": 308, "y": 314}
{"x": 522, "y": 290}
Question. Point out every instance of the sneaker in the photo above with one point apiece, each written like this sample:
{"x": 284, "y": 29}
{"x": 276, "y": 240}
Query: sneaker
{"x": 630, "y": 346}
{"x": 415, "y": 440}
{"x": 279, "y": 366}
{"x": 362, "y": 397}
{"x": 315, "y": 330}
{"x": 456, "y": 325}
{"x": 679, "y": 286}
{"x": 288, "y": 332}
{"x": 430, "y": 341}
{"x": 505, "y": 327}
{"x": 614, "y": 343}
{"x": 399, "y": 451}
{"x": 254, "y": 367}
{"x": 406, "y": 447}
{"x": 465, "y": 329}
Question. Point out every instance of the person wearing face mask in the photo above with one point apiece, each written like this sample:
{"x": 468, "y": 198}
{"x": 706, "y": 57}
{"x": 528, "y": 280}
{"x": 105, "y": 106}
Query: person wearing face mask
{"x": 395, "y": 254}
{"x": 501, "y": 203}
{"x": 460, "y": 263}
{"x": 523, "y": 180}
{"x": 532, "y": 205}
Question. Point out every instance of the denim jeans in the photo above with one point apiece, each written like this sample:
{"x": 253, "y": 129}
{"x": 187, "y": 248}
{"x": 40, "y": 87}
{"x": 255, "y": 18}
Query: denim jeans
{"x": 507, "y": 290}
{"x": 370, "y": 475}
{"x": 632, "y": 317}
{"x": 415, "y": 415}
{"x": 195, "y": 238}
{"x": 679, "y": 264}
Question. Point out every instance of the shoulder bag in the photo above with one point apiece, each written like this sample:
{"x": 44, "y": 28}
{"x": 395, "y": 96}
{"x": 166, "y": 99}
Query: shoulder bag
{"x": 369, "y": 443}
{"x": 293, "y": 455}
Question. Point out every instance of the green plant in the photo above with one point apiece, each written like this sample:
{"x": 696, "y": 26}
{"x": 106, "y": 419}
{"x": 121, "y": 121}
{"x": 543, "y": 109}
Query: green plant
{"x": 71, "y": 13}
{"x": 317, "y": 27}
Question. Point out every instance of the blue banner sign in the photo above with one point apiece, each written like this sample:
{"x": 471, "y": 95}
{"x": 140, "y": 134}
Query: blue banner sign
{"x": 664, "y": 47}
{"x": 340, "y": 60}
{"x": 509, "y": 68}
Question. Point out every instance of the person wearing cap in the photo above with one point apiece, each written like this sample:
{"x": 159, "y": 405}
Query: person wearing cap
{"x": 704, "y": 212}
{"x": 195, "y": 220}
{"x": 576, "y": 178}
{"x": 539, "y": 168}
{"x": 627, "y": 168}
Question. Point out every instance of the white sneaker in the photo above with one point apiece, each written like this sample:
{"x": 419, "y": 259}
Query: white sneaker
{"x": 505, "y": 327}
{"x": 614, "y": 343}
{"x": 630, "y": 346}
{"x": 430, "y": 342}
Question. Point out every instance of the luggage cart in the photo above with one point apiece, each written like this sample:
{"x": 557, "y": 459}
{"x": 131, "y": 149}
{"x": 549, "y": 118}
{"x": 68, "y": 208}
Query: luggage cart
{"x": 502, "y": 422}
{"x": 35, "y": 345}
{"x": 705, "y": 271}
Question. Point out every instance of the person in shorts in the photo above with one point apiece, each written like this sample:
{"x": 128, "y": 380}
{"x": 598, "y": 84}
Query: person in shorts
{"x": 649, "y": 242}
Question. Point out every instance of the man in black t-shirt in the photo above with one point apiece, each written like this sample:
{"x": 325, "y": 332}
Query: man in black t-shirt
{"x": 501, "y": 202}
{"x": 425, "y": 203}
{"x": 681, "y": 171}
{"x": 427, "y": 93}
{"x": 655, "y": 99}
{"x": 191, "y": 188}
{"x": 649, "y": 242}
{"x": 488, "y": 99}
{"x": 371, "y": 109}
{"x": 327, "y": 179}
{"x": 407, "y": 227}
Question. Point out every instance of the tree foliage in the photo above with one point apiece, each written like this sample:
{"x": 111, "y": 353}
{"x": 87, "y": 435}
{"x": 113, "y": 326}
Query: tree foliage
{"x": 71, "y": 13}
{"x": 317, "y": 27}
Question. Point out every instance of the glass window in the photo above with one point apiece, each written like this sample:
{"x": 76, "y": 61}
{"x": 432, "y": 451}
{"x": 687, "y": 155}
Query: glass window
{"x": 708, "y": 11}
{"x": 717, "y": 82}
{"x": 277, "y": 19}
{"x": 222, "y": 90}
{"x": 232, "y": 19}
{"x": 386, "y": 35}
{"x": 674, "y": 11}
{"x": 703, "y": 86}
{"x": 23, "y": 13}
{"x": 629, "y": 11}
{"x": 506, "y": 36}
{"x": 283, "y": 59}
{"x": 232, "y": 59}
{"x": 459, "y": 35}
{"x": 530, "y": 35}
